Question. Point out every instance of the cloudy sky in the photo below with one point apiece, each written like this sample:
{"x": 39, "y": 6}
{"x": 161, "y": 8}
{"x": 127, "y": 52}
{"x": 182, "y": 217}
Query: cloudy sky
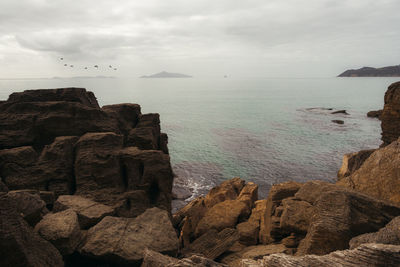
{"x": 204, "y": 38}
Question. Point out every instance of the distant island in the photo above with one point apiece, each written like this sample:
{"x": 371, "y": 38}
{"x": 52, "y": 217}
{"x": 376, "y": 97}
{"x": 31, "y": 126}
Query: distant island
{"x": 391, "y": 71}
{"x": 165, "y": 74}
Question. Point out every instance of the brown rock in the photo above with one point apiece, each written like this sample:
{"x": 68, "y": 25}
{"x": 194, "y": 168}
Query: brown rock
{"x": 126, "y": 114}
{"x": 123, "y": 240}
{"x": 340, "y": 215}
{"x": 227, "y": 190}
{"x": 19, "y": 245}
{"x": 249, "y": 194}
{"x": 375, "y": 114}
{"x": 390, "y": 234}
{"x": 352, "y": 162}
{"x": 292, "y": 241}
{"x": 248, "y": 233}
{"x": 379, "y": 176}
{"x": 144, "y": 138}
{"x": 338, "y": 121}
{"x": 62, "y": 230}
{"x": 391, "y": 115}
{"x": 312, "y": 190}
{"x": 296, "y": 216}
{"x": 343, "y": 111}
{"x": 89, "y": 212}
{"x": 213, "y": 243}
{"x": 3, "y": 187}
{"x": 28, "y": 204}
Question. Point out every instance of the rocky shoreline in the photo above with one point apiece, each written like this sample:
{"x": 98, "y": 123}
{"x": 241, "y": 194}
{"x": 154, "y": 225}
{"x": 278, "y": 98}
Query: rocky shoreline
{"x": 88, "y": 186}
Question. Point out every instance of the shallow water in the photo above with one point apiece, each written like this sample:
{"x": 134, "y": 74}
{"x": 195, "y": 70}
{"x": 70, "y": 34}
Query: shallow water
{"x": 259, "y": 129}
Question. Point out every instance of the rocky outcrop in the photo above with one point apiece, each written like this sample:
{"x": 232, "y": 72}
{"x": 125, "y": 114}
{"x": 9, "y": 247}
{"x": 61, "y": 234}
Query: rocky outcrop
{"x": 373, "y": 255}
{"x": 379, "y": 175}
{"x": 375, "y": 114}
{"x": 61, "y": 141}
{"x": 352, "y": 162}
{"x": 390, "y": 71}
{"x": 122, "y": 241}
{"x": 391, "y": 115}
{"x": 19, "y": 244}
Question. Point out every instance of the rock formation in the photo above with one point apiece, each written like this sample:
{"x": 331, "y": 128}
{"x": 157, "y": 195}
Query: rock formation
{"x": 375, "y": 114}
{"x": 390, "y": 71}
{"x": 391, "y": 115}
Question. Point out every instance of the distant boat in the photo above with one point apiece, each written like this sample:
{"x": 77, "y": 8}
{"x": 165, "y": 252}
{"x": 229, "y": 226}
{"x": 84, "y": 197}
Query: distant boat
{"x": 165, "y": 74}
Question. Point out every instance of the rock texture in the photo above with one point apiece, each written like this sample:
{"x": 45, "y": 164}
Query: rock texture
{"x": 391, "y": 115}
{"x": 123, "y": 240}
{"x": 352, "y": 162}
{"x": 375, "y": 114}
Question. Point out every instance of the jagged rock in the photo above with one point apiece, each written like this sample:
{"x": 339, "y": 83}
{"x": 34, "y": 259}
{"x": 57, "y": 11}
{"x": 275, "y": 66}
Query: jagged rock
{"x": 391, "y": 115}
{"x": 375, "y": 114}
{"x": 379, "y": 175}
{"x": 28, "y": 204}
{"x": 296, "y": 216}
{"x": 248, "y": 232}
{"x": 123, "y": 240}
{"x": 164, "y": 143}
{"x": 270, "y": 221}
{"x": 213, "y": 243}
{"x": 352, "y": 162}
{"x": 228, "y": 190}
{"x": 126, "y": 114}
{"x": 253, "y": 253}
{"x": 3, "y": 187}
{"x": 257, "y": 216}
{"x": 89, "y": 212}
{"x": 340, "y": 215}
{"x": 19, "y": 245}
{"x": 390, "y": 234}
{"x": 249, "y": 194}
{"x": 62, "y": 230}
{"x": 372, "y": 255}
{"x": 292, "y": 241}
{"x": 48, "y": 197}
{"x": 312, "y": 190}
{"x": 223, "y": 215}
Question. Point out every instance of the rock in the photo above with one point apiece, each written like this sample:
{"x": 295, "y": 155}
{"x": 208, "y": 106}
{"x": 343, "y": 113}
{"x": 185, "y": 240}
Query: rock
{"x": 3, "y": 187}
{"x": 228, "y": 190}
{"x": 213, "y": 243}
{"x": 365, "y": 255}
{"x": 312, "y": 190}
{"x": 126, "y": 114}
{"x": 390, "y": 234}
{"x": 48, "y": 197}
{"x": 89, "y": 212}
{"x": 72, "y": 94}
{"x": 223, "y": 215}
{"x": 379, "y": 175}
{"x": 164, "y": 143}
{"x": 338, "y": 121}
{"x": 390, "y": 118}
{"x": 375, "y": 114}
{"x": 62, "y": 230}
{"x": 249, "y": 194}
{"x": 270, "y": 221}
{"x": 19, "y": 245}
{"x": 296, "y": 216}
{"x": 144, "y": 138}
{"x": 253, "y": 253}
{"x": 28, "y": 204}
{"x": 248, "y": 233}
{"x": 292, "y": 241}
{"x": 340, "y": 215}
{"x": 343, "y": 111}
{"x": 352, "y": 162}
{"x": 97, "y": 164}
{"x": 123, "y": 240}
{"x": 179, "y": 192}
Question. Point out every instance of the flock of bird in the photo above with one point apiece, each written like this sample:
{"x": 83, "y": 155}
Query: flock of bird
{"x": 95, "y": 66}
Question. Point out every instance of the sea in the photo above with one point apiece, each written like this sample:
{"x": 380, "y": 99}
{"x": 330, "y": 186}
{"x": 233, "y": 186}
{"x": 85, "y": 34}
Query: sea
{"x": 264, "y": 130}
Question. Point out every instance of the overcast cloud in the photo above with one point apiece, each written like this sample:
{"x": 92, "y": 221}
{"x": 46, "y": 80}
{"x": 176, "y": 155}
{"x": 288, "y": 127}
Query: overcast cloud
{"x": 270, "y": 38}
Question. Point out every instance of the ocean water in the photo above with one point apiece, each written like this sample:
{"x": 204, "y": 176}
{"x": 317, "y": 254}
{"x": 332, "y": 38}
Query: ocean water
{"x": 263, "y": 130}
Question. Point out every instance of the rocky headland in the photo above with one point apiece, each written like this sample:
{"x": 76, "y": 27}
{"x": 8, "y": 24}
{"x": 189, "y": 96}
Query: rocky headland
{"x": 83, "y": 185}
{"x": 391, "y": 71}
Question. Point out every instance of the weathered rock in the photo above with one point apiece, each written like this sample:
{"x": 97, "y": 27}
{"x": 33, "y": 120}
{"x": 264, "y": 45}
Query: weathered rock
{"x": 144, "y": 138}
{"x": 248, "y": 232}
{"x": 373, "y": 255}
{"x": 164, "y": 143}
{"x": 89, "y": 212}
{"x": 62, "y": 230}
{"x": 312, "y": 190}
{"x": 379, "y": 176}
{"x": 296, "y": 216}
{"x": 28, "y": 204}
{"x": 352, "y": 162}
{"x": 228, "y": 190}
{"x": 270, "y": 221}
{"x": 391, "y": 115}
{"x": 390, "y": 234}
{"x": 223, "y": 215}
{"x": 292, "y": 241}
{"x": 126, "y": 114}
{"x": 123, "y": 240}
{"x": 3, "y": 187}
{"x": 213, "y": 243}
{"x": 19, "y": 245}
{"x": 375, "y": 113}
{"x": 249, "y": 194}
{"x": 342, "y": 111}
{"x": 340, "y": 215}
{"x": 338, "y": 121}
{"x": 253, "y": 253}
{"x": 48, "y": 197}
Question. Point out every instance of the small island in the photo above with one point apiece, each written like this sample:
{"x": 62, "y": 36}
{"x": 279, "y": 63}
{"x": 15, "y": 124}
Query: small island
{"x": 165, "y": 74}
{"x": 391, "y": 71}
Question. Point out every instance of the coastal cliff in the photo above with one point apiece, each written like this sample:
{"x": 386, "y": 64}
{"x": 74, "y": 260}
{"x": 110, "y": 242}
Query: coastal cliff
{"x": 391, "y": 71}
{"x": 83, "y": 185}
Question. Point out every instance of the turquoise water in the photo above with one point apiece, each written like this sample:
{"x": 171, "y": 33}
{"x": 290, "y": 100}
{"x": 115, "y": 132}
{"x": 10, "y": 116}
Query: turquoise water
{"x": 258, "y": 129}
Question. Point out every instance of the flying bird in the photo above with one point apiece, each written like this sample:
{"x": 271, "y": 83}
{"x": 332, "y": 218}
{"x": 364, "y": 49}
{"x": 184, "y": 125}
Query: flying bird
{"x": 71, "y": 66}
{"x": 110, "y": 66}
{"x": 85, "y": 68}
{"x": 61, "y": 58}
{"x": 96, "y": 66}
{"x": 115, "y": 68}
{"x": 65, "y": 65}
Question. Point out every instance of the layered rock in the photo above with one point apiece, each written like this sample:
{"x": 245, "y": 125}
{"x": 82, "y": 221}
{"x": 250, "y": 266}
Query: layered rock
{"x": 391, "y": 115}
{"x": 375, "y": 114}
{"x": 352, "y": 162}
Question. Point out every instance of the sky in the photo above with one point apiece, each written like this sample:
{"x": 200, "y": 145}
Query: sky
{"x": 203, "y": 38}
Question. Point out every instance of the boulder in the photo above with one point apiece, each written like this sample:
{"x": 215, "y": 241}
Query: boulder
{"x": 89, "y": 212}
{"x": 248, "y": 232}
{"x": 228, "y": 190}
{"x": 340, "y": 215}
{"x": 390, "y": 118}
{"x": 123, "y": 240}
{"x": 390, "y": 234}
{"x": 296, "y": 216}
{"x": 213, "y": 243}
{"x": 62, "y": 230}
{"x": 29, "y": 204}
{"x": 373, "y": 255}
{"x": 379, "y": 175}
{"x": 19, "y": 244}
{"x": 375, "y": 114}
{"x": 342, "y": 111}
{"x": 312, "y": 190}
{"x": 338, "y": 121}
{"x": 352, "y": 162}
{"x": 249, "y": 194}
